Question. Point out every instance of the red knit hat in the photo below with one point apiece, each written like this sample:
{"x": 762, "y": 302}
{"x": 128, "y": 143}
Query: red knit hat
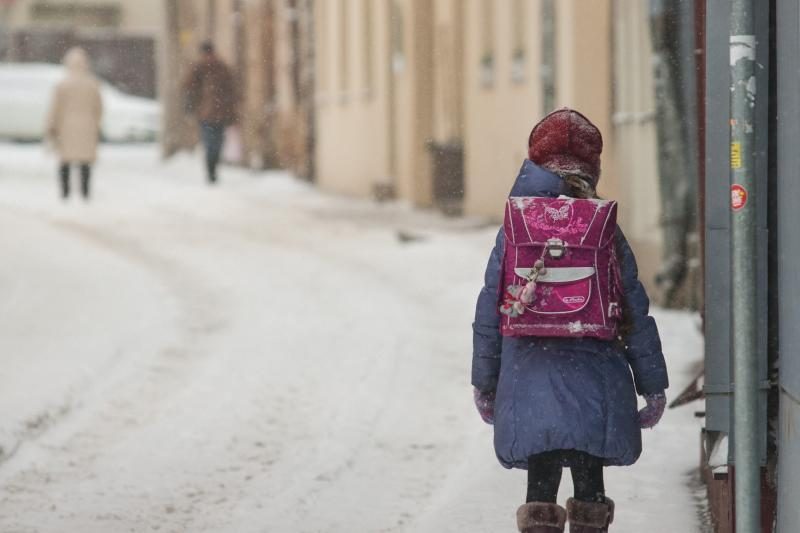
{"x": 566, "y": 142}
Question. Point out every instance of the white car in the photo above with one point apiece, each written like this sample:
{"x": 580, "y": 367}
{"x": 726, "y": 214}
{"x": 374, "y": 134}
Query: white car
{"x": 25, "y": 93}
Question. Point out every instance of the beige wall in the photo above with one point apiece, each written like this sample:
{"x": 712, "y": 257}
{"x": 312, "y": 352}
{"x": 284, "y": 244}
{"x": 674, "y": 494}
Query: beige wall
{"x": 373, "y": 130}
{"x": 440, "y": 91}
{"x": 448, "y": 73}
{"x": 257, "y": 26}
{"x": 414, "y": 179}
{"x": 352, "y": 144}
{"x": 143, "y": 17}
{"x": 400, "y": 102}
{"x": 224, "y": 28}
{"x": 609, "y": 80}
{"x": 585, "y": 72}
{"x": 635, "y": 136}
{"x": 500, "y": 113}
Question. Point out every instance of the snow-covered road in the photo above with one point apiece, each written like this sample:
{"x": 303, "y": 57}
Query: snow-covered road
{"x": 260, "y": 357}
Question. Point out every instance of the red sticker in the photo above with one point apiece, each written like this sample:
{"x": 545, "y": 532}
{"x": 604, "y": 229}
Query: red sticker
{"x": 738, "y": 197}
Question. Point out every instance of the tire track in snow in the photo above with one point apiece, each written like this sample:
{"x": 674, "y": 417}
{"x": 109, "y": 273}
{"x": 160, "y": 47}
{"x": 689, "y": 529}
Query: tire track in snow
{"x": 299, "y": 503}
{"x": 331, "y": 465}
{"x": 109, "y": 406}
{"x": 307, "y": 474}
{"x": 316, "y": 471}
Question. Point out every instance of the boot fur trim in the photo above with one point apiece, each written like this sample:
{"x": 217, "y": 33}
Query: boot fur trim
{"x": 590, "y": 514}
{"x": 534, "y": 514}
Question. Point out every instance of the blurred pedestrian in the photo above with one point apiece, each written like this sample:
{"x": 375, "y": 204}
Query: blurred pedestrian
{"x": 210, "y": 94}
{"x": 73, "y": 127}
{"x": 558, "y": 354}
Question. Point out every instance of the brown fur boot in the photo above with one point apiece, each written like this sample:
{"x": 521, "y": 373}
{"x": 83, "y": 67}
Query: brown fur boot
{"x": 541, "y": 517}
{"x": 587, "y": 517}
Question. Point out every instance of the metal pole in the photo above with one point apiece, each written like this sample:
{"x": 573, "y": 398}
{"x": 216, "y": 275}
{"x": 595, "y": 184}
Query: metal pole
{"x": 743, "y": 265}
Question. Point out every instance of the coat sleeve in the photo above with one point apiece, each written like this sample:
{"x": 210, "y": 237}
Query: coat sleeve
{"x": 233, "y": 93}
{"x": 191, "y": 88}
{"x": 54, "y": 113}
{"x": 98, "y": 106}
{"x": 642, "y": 341}
{"x": 486, "y": 339}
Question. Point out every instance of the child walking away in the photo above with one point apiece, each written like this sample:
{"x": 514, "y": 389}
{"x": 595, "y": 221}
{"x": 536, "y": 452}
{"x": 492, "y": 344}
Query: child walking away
{"x": 563, "y": 339}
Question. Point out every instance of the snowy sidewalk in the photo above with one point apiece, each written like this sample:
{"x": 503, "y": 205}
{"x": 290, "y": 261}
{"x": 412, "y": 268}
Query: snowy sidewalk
{"x": 260, "y": 357}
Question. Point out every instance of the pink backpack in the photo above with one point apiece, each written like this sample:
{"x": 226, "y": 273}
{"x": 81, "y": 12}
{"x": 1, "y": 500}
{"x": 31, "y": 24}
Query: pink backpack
{"x": 560, "y": 276}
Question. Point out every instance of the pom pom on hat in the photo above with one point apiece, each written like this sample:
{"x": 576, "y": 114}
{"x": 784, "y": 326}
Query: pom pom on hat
{"x": 566, "y": 142}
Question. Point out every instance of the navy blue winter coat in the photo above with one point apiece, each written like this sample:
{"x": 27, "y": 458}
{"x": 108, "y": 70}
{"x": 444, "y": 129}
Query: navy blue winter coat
{"x": 565, "y": 393}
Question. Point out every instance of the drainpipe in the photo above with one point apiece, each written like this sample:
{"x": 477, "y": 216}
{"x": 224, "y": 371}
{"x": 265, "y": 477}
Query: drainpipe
{"x": 700, "y": 94}
{"x": 743, "y": 265}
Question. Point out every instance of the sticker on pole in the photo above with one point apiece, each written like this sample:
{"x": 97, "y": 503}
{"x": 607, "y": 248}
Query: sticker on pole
{"x": 738, "y": 197}
{"x": 736, "y": 155}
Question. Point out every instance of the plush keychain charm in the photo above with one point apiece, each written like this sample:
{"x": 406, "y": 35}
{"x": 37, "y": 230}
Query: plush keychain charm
{"x": 511, "y": 305}
{"x": 529, "y": 292}
{"x": 519, "y": 296}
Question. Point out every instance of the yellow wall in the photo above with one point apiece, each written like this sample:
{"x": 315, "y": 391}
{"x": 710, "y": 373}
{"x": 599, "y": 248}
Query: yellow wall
{"x": 414, "y": 182}
{"x": 448, "y": 71}
{"x": 619, "y": 100}
{"x": 143, "y": 16}
{"x": 402, "y": 69}
{"x": 499, "y": 115}
{"x": 138, "y": 17}
{"x": 371, "y": 134}
{"x": 635, "y": 136}
{"x": 352, "y": 145}
{"x": 585, "y": 74}
{"x": 438, "y": 90}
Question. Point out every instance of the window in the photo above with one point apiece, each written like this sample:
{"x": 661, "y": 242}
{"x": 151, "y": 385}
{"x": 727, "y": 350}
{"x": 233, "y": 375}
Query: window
{"x": 344, "y": 49}
{"x": 293, "y": 14}
{"x": 487, "y": 66}
{"x": 368, "y": 47}
{"x": 547, "y": 69}
{"x": 75, "y": 14}
{"x": 398, "y": 39}
{"x": 323, "y": 54}
{"x": 518, "y": 41}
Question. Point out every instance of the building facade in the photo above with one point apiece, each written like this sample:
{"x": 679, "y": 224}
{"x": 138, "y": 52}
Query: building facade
{"x": 120, "y": 36}
{"x": 270, "y": 46}
{"x": 433, "y": 101}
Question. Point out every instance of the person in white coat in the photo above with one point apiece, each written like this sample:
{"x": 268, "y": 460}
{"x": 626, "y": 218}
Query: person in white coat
{"x": 73, "y": 125}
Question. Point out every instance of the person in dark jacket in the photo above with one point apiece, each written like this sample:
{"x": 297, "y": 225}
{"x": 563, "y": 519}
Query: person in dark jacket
{"x": 211, "y": 96}
{"x": 567, "y": 402}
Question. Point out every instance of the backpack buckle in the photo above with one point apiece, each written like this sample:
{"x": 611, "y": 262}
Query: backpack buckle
{"x": 556, "y": 248}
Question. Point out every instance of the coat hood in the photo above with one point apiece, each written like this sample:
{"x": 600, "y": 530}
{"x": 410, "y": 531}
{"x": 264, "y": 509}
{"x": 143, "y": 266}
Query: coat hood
{"x": 533, "y": 180}
{"x": 77, "y": 61}
{"x": 566, "y": 142}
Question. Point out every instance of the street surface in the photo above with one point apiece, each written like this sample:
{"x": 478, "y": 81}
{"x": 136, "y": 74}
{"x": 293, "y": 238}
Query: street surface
{"x": 261, "y": 357}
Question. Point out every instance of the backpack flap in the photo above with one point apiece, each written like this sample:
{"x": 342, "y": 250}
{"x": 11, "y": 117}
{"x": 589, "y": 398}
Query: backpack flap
{"x": 575, "y": 222}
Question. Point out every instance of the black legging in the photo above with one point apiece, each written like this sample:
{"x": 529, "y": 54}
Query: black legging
{"x": 86, "y": 173}
{"x": 544, "y": 475}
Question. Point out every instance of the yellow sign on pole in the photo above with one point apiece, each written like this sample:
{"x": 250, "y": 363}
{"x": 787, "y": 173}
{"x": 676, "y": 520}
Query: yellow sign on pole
{"x": 736, "y": 155}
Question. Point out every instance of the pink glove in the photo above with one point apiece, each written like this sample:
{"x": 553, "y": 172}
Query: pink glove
{"x": 484, "y": 401}
{"x": 651, "y": 413}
